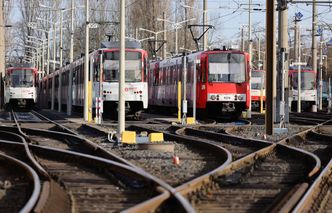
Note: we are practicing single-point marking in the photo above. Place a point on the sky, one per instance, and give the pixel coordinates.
(232, 14)
(228, 16)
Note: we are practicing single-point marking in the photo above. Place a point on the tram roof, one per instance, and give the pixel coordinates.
(22, 65)
(116, 44)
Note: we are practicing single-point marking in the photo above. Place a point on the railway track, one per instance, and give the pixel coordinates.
(316, 140)
(19, 185)
(25, 117)
(309, 118)
(257, 132)
(250, 180)
(271, 179)
(49, 133)
(319, 197)
(167, 190)
(95, 184)
(196, 157)
(238, 147)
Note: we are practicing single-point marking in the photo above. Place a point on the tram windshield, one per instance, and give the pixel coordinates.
(307, 80)
(257, 80)
(133, 66)
(227, 67)
(21, 78)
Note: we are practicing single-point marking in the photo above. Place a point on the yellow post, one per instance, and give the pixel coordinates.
(90, 101)
(179, 101)
(261, 96)
(261, 102)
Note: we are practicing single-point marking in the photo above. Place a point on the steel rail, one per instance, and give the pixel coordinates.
(313, 192)
(40, 169)
(193, 186)
(326, 137)
(293, 196)
(182, 200)
(64, 128)
(293, 200)
(302, 133)
(72, 134)
(114, 166)
(224, 137)
(36, 182)
(201, 178)
(96, 147)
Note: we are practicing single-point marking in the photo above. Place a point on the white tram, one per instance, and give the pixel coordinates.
(20, 86)
(69, 80)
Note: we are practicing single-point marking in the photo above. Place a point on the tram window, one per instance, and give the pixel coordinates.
(179, 72)
(74, 76)
(63, 78)
(155, 76)
(145, 69)
(56, 81)
(111, 75)
(21, 78)
(167, 76)
(82, 73)
(96, 71)
(203, 73)
(133, 70)
(66, 77)
(189, 71)
(161, 75)
(78, 75)
(198, 73)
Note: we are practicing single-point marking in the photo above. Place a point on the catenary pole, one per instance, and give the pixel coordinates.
(164, 36)
(121, 114)
(250, 60)
(71, 59)
(270, 64)
(54, 47)
(283, 65)
(299, 80)
(2, 52)
(60, 67)
(321, 73)
(86, 63)
(48, 52)
(205, 37)
(242, 38)
(61, 32)
(54, 60)
(314, 43)
(296, 39)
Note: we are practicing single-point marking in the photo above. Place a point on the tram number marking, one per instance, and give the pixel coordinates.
(227, 97)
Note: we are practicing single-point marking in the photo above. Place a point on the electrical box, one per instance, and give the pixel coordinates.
(184, 106)
(282, 108)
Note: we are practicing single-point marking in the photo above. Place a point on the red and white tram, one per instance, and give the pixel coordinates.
(257, 88)
(136, 87)
(222, 81)
(20, 85)
(308, 87)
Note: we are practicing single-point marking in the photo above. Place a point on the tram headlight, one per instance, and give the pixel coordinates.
(213, 97)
